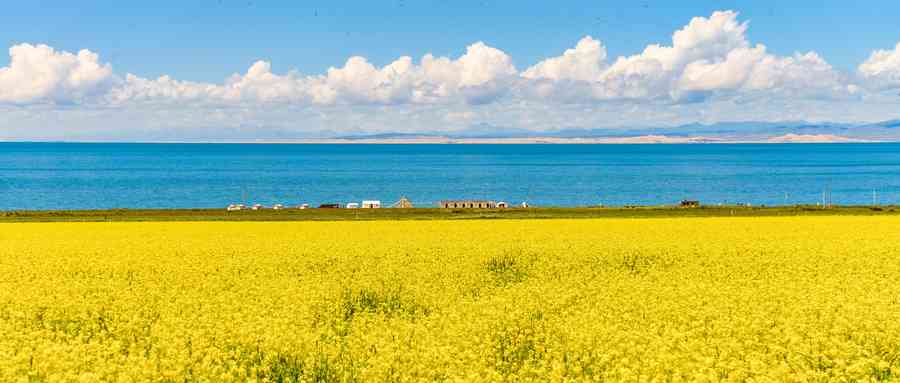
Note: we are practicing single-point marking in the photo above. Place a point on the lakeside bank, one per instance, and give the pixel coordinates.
(116, 215)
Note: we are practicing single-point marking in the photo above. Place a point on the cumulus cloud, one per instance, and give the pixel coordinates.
(654, 72)
(585, 62)
(40, 74)
(480, 75)
(258, 85)
(754, 70)
(882, 69)
(708, 56)
(709, 71)
(164, 88)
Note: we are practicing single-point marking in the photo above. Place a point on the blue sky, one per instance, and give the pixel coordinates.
(208, 40)
(205, 42)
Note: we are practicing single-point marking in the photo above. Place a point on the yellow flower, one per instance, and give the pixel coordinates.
(686, 299)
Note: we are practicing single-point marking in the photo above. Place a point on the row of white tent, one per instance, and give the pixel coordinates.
(240, 206)
(367, 204)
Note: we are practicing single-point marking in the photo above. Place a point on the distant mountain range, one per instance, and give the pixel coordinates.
(725, 131)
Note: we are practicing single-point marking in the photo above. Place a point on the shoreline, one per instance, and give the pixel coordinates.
(625, 140)
(318, 214)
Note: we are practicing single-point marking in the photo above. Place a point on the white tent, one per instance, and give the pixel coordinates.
(371, 204)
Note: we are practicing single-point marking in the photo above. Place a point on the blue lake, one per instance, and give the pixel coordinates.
(91, 176)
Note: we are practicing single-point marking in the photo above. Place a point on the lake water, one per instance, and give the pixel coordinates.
(92, 176)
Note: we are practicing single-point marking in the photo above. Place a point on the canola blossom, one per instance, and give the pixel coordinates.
(678, 299)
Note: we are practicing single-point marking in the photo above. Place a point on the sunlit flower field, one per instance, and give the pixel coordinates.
(681, 299)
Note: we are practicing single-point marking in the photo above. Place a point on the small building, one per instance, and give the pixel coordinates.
(352, 205)
(330, 206)
(403, 203)
(502, 205)
(236, 207)
(277, 206)
(468, 204)
(303, 206)
(257, 207)
(690, 203)
(371, 204)
(524, 205)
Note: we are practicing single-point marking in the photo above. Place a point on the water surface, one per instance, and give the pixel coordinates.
(91, 176)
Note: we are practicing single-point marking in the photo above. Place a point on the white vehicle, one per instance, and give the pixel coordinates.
(257, 207)
(304, 206)
(236, 207)
(277, 206)
(371, 204)
(352, 205)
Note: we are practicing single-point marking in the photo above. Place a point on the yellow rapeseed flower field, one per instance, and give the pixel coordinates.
(682, 299)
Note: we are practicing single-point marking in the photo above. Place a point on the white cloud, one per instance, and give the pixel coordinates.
(654, 72)
(585, 62)
(754, 70)
(882, 69)
(708, 56)
(709, 72)
(482, 73)
(40, 74)
(163, 89)
(482, 64)
(257, 85)
(477, 74)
